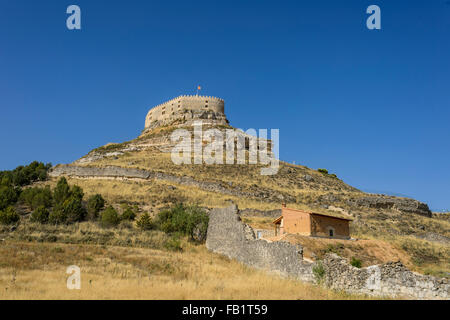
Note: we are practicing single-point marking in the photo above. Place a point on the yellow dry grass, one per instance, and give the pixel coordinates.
(38, 271)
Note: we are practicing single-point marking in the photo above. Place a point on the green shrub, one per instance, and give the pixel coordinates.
(109, 217)
(57, 216)
(145, 222)
(8, 196)
(73, 209)
(61, 192)
(9, 216)
(76, 192)
(173, 244)
(24, 175)
(318, 271)
(188, 220)
(128, 214)
(95, 204)
(325, 172)
(36, 197)
(40, 215)
(356, 262)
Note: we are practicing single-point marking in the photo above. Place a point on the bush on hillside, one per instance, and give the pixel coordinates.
(25, 175)
(76, 192)
(173, 244)
(40, 215)
(74, 210)
(128, 214)
(109, 217)
(58, 215)
(61, 192)
(9, 216)
(188, 220)
(8, 196)
(145, 222)
(36, 197)
(95, 204)
(318, 272)
(356, 262)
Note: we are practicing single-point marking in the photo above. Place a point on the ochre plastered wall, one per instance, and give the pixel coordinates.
(320, 226)
(295, 221)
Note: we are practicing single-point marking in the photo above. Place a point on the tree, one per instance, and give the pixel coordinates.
(128, 214)
(8, 196)
(145, 222)
(189, 220)
(58, 215)
(9, 216)
(35, 197)
(109, 217)
(77, 192)
(73, 209)
(61, 192)
(24, 175)
(40, 215)
(95, 204)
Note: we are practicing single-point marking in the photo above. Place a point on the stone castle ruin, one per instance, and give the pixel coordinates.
(227, 235)
(185, 109)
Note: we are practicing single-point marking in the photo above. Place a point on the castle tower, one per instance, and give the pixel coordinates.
(185, 109)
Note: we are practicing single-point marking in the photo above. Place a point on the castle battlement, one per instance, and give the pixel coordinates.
(186, 107)
(189, 96)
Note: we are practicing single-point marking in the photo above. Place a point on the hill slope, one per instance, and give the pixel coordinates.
(141, 172)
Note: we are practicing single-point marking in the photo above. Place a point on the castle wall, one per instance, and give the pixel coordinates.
(178, 107)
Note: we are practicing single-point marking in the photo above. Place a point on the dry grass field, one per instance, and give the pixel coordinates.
(38, 271)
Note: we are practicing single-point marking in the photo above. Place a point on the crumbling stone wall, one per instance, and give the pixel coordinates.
(390, 279)
(227, 235)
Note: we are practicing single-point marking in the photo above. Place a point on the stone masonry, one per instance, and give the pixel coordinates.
(186, 109)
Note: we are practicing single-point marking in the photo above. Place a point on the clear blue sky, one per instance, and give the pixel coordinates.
(371, 106)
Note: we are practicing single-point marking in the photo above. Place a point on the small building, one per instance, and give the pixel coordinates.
(311, 224)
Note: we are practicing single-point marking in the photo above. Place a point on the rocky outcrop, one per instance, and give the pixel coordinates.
(105, 172)
(404, 205)
(227, 235)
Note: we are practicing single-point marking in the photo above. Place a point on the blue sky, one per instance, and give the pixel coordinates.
(372, 106)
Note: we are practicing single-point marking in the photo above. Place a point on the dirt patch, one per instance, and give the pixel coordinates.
(370, 252)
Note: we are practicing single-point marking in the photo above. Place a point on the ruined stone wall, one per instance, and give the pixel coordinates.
(227, 235)
(389, 279)
(187, 108)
